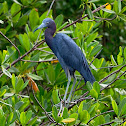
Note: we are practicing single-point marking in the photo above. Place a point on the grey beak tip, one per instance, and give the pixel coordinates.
(35, 30)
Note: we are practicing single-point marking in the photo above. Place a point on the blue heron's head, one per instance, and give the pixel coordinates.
(47, 22)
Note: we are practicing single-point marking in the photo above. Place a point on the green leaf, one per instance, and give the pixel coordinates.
(80, 108)
(26, 42)
(115, 107)
(32, 121)
(65, 113)
(93, 93)
(89, 12)
(123, 111)
(33, 18)
(22, 118)
(59, 20)
(74, 115)
(18, 105)
(51, 73)
(113, 60)
(95, 50)
(125, 53)
(54, 112)
(119, 56)
(107, 118)
(28, 116)
(2, 92)
(119, 5)
(15, 8)
(19, 85)
(6, 72)
(34, 58)
(122, 16)
(10, 117)
(99, 120)
(89, 86)
(91, 37)
(123, 10)
(63, 25)
(96, 86)
(35, 77)
(55, 96)
(55, 115)
(5, 7)
(108, 11)
(84, 116)
(121, 106)
(115, 6)
(22, 21)
(13, 80)
(2, 118)
(25, 84)
(68, 120)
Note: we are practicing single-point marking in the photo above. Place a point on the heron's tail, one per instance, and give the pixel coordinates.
(87, 75)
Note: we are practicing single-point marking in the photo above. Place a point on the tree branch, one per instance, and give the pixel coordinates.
(114, 80)
(50, 7)
(46, 113)
(10, 42)
(99, 115)
(39, 61)
(105, 78)
(106, 123)
(96, 10)
(21, 57)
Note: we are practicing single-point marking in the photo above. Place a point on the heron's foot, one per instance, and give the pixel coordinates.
(62, 105)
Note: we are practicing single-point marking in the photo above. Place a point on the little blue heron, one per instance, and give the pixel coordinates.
(68, 53)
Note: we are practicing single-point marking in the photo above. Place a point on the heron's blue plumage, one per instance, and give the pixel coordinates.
(71, 57)
(68, 53)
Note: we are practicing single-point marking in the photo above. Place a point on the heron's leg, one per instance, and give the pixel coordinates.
(64, 98)
(68, 100)
(68, 83)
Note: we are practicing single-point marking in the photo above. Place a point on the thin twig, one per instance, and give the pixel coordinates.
(123, 122)
(108, 19)
(8, 97)
(109, 67)
(105, 78)
(10, 42)
(95, 56)
(99, 115)
(113, 81)
(39, 61)
(78, 101)
(46, 51)
(106, 123)
(21, 57)
(96, 10)
(46, 113)
(50, 7)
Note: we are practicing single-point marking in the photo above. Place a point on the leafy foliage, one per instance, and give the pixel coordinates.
(31, 62)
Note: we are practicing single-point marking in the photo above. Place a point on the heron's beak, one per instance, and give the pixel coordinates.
(41, 26)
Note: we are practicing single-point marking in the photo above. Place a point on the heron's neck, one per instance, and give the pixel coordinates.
(49, 32)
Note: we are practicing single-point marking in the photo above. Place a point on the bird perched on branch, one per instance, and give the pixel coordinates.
(68, 53)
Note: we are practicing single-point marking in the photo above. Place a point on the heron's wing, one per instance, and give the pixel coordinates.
(70, 55)
(68, 50)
